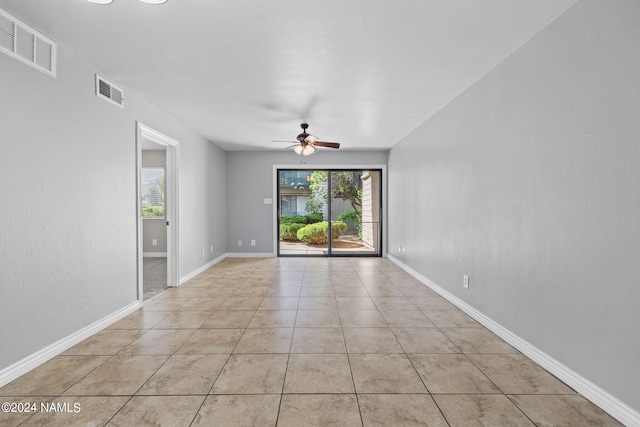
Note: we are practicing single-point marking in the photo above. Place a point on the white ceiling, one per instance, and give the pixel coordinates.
(364, 73)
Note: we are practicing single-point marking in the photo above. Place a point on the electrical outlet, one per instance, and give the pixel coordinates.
(465, 281)
(239, 242)
(211, 248)
(253, 242)
(202, 252)
(154, 242)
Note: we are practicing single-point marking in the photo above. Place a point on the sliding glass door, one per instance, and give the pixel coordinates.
(356, 203)
(348, 199)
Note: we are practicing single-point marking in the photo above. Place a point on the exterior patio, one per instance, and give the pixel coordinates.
(360, 238)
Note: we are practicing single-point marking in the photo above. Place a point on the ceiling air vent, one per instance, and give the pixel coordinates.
(109, 92)
(27, 45)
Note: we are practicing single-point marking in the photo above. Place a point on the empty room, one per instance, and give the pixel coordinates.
(297, 213)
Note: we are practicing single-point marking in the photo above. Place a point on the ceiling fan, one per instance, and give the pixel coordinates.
(307, 143)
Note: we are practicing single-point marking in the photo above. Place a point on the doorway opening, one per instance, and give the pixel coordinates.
(311, 199)
(157, 211)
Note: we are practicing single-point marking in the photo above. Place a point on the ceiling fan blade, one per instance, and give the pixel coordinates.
(326, 144)
(288, 140)
(288, 148)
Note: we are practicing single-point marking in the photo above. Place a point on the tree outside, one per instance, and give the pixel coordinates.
(153, 193)
(345, 185)
(306, 208)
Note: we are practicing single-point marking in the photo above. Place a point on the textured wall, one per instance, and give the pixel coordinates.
(529, 183)
(250, 181)
(68, 217)
(203, 213)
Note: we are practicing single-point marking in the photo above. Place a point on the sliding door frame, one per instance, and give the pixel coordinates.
(331, 168)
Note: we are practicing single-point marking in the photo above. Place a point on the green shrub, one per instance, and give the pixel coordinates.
(353, 221)
(347, 216)
(313, 218)
(318, 232)
(291, 219)
(290, 231)
(153, 211)
(337, 229)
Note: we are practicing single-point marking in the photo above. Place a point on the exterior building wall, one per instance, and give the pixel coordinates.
(370, 207)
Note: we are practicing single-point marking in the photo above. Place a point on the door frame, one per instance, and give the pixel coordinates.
(172, 150)
(383, 209)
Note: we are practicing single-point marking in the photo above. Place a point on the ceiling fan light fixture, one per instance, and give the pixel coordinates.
(100, 1)
(307, 143)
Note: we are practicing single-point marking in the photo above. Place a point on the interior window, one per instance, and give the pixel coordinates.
(153, 193)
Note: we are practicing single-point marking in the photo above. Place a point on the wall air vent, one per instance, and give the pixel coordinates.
(27, 45)
(109, 92)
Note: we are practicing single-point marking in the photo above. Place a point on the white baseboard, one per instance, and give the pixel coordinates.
(36, 359)
(201, 269)
(251, 255)
(154, 254)
(607, 402)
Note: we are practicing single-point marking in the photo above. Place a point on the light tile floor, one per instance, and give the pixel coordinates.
(298, 342)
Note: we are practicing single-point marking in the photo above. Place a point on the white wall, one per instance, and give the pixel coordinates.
(529, 183)
(203, 214)
(68, 217)
(250, 181)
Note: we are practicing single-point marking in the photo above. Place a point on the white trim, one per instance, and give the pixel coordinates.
(251, 254)
(607, 402)
(201, 269)
(172, 148)
(36, 359)
(173, 203)
(154, 255)
(383, 181)
(155, 136)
